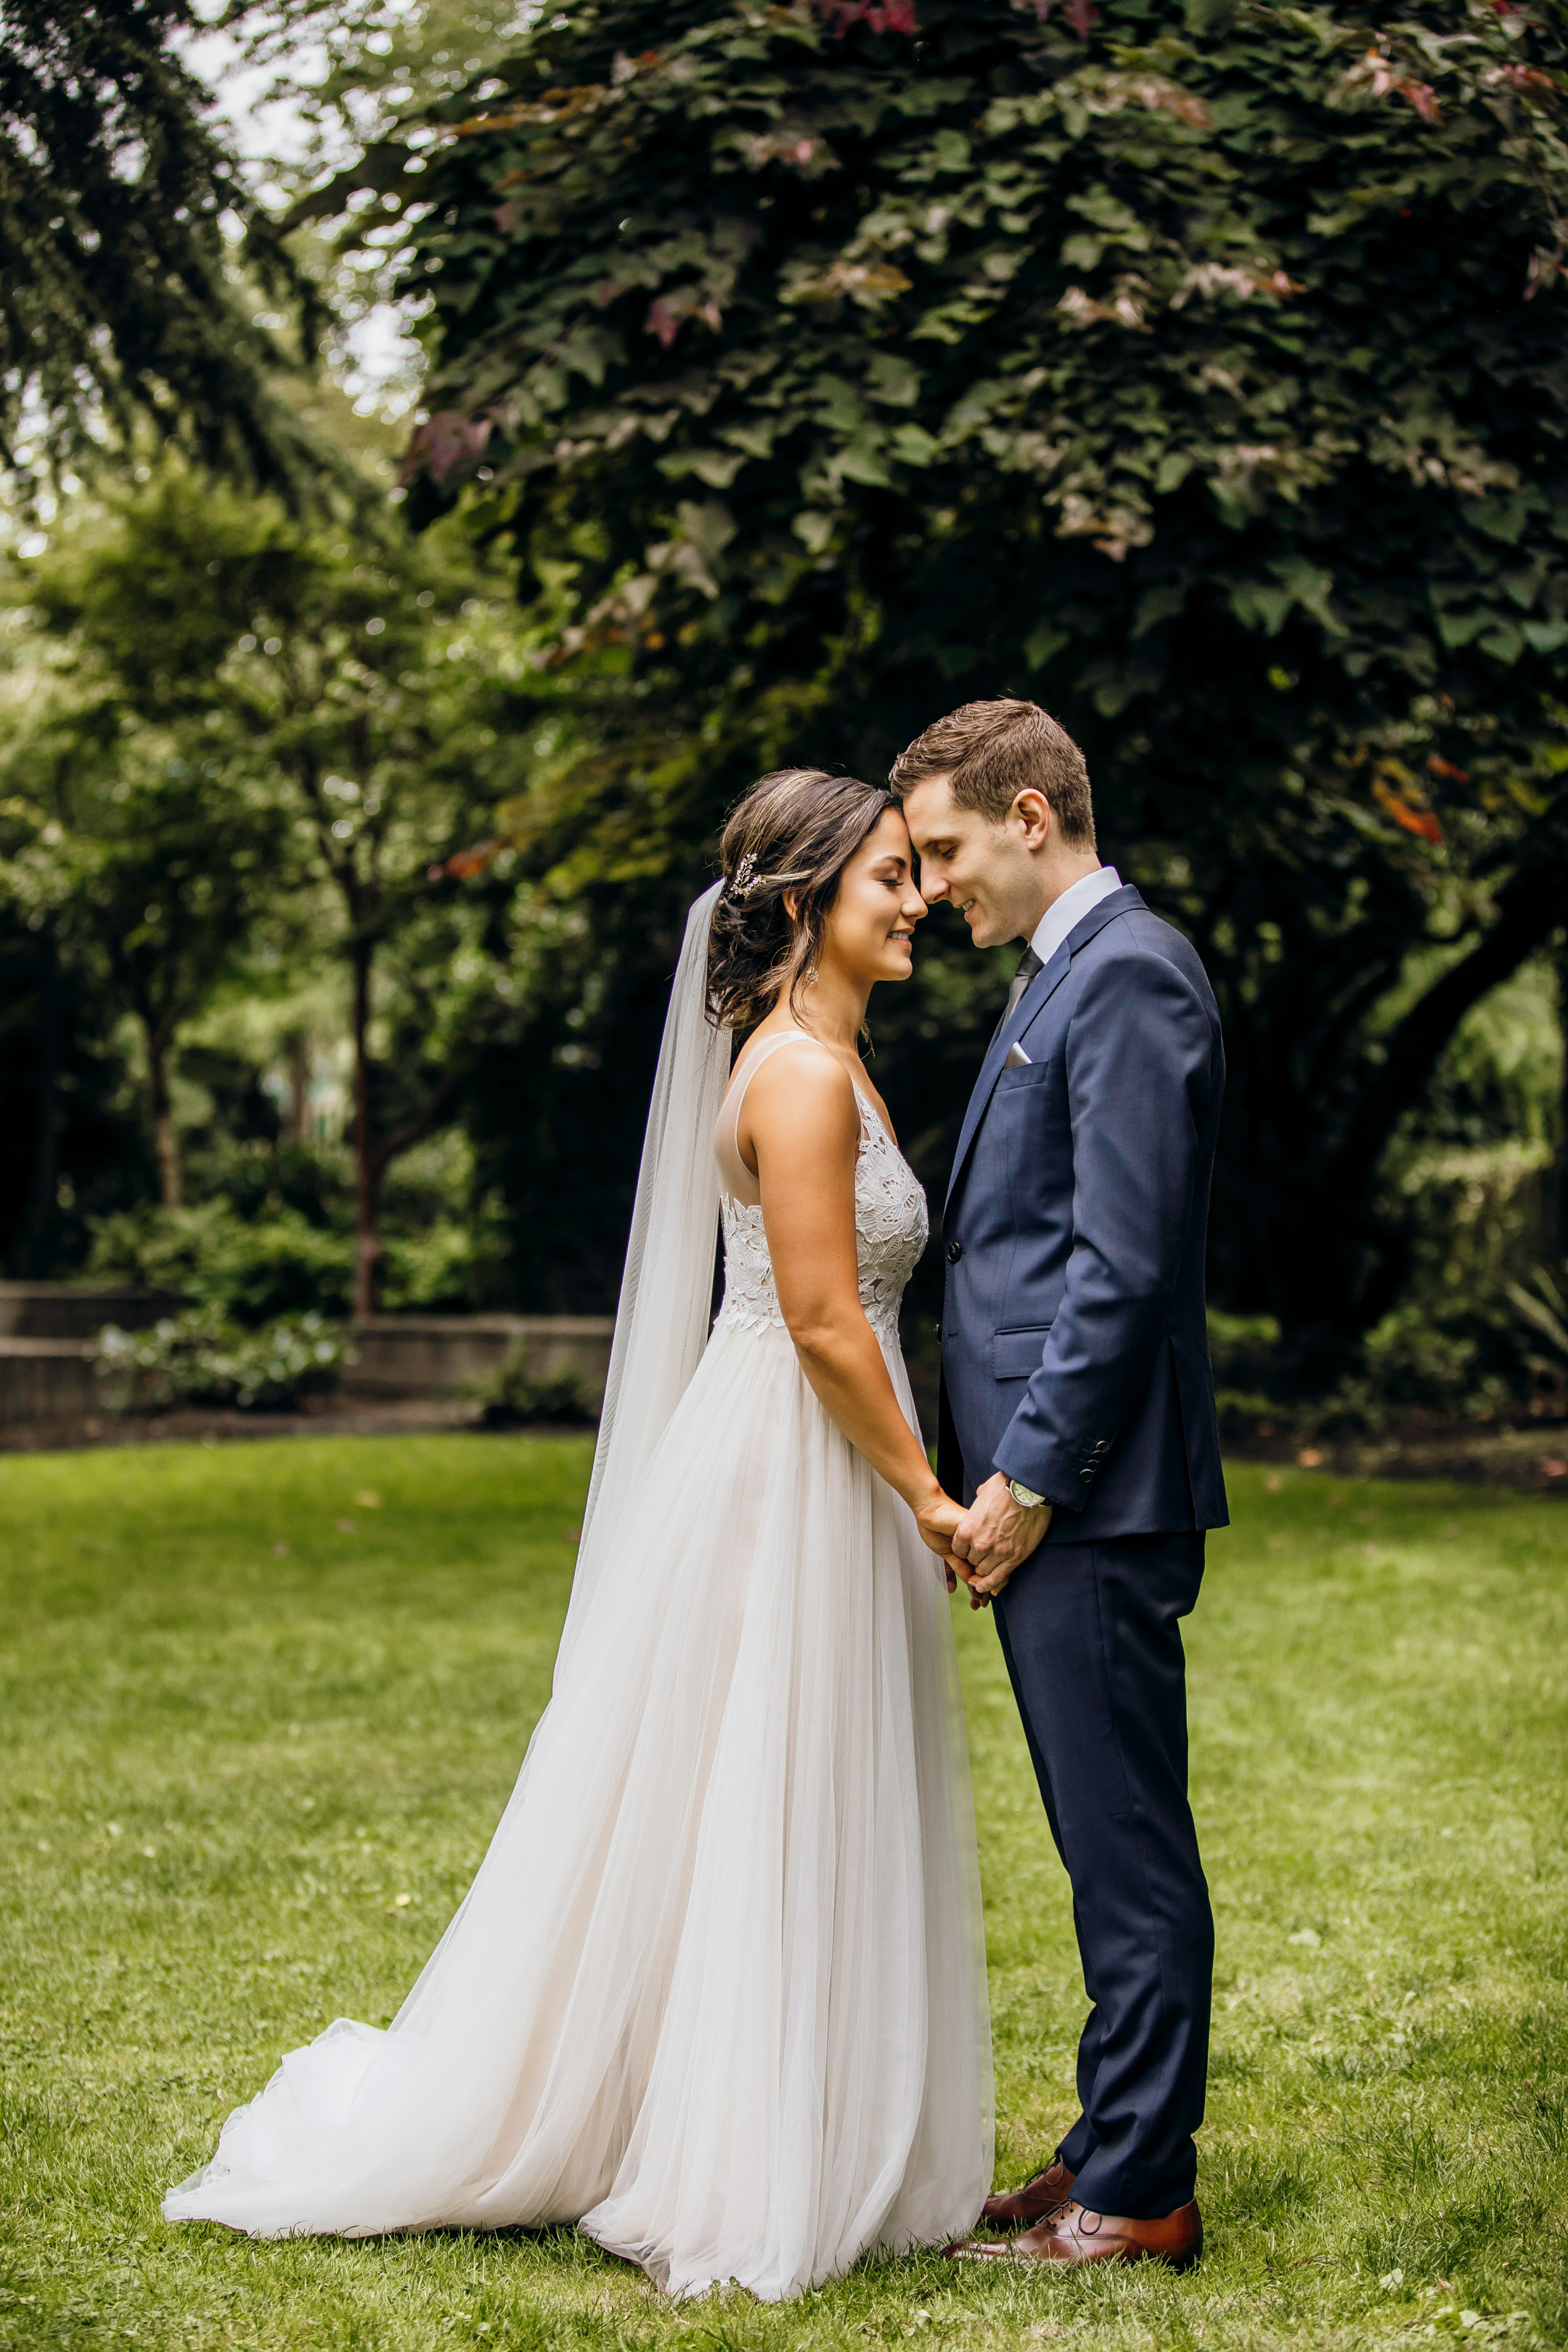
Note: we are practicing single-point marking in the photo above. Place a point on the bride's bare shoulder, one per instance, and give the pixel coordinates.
(808, 1084)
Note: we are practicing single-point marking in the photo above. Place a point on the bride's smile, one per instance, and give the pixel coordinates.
(860, 940)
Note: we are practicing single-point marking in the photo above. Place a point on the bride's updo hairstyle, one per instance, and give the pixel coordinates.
(796, 831)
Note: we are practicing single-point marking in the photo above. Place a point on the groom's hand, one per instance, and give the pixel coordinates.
(995, 1536)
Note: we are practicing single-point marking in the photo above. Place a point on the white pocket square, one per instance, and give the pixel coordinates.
(1015, 1059)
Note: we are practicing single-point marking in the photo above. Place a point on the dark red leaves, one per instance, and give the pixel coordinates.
(1422, 821)
(876, 15)
(783, 147)
(667, 313)
(1082, 14)
(1384, 80)
(446, 439)
(465, 864)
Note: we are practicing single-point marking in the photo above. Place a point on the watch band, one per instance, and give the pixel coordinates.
(1024, 1496)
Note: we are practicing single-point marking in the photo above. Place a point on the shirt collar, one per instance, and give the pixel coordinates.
(1064, 913)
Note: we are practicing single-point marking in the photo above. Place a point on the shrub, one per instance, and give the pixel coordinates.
(250, 1273)
(258, 1178)
(198, 1358)
(1243, 1347)
(1543, 1307)
(161, 1248)
(1411, 1360)
(514, 1394)
(431, 1272)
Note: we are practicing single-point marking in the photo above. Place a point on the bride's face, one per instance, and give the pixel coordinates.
(870, 934)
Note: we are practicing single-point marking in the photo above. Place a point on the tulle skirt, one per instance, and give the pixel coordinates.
(717, 1993)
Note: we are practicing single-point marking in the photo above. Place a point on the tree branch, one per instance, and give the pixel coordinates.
(1529, 909)
(419, 1124)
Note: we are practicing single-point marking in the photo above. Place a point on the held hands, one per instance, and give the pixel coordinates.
(992, 1538)
(938, 1519)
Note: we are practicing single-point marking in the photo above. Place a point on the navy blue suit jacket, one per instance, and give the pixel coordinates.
(1074, 1344)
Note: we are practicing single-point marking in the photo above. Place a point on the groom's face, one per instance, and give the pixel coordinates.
(982, 869)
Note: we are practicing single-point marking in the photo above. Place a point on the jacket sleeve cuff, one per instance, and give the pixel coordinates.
(1051, 1481)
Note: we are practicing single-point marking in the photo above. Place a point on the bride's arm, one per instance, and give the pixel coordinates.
(804, 1126)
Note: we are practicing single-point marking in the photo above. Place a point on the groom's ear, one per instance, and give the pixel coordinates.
(1035, 816)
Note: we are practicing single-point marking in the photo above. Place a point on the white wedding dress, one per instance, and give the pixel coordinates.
(717, 1993)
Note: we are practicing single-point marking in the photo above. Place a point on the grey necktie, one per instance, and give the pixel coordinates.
(1029, 963)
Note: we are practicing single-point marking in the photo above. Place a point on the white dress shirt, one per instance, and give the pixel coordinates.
(1071, 907)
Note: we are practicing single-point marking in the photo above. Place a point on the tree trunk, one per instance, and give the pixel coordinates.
(1332, 1270)
(165, 1142)
(1562, 1099)
(43, 1191)
(367, 1170)
(298, 1119)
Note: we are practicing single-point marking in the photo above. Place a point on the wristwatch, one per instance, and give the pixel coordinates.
(1023, 1496)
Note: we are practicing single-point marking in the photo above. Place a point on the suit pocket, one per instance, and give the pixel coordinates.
(1016, 1355)
(1033, 1074)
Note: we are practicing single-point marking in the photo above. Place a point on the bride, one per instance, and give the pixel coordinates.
(717, 1994)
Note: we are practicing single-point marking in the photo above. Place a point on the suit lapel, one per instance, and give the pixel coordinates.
(1046, 981)
(1048, 978)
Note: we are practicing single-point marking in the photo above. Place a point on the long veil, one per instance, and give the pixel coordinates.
(716, 1991)
(661, 1320)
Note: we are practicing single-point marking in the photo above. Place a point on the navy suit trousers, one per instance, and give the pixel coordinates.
(1091, 1635)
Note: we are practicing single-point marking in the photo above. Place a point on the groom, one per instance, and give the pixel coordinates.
(1077, 1422)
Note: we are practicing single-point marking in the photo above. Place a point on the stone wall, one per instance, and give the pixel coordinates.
(439, 1355)
(46, 1373)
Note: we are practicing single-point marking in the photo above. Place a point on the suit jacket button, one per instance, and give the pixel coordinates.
(955, 1252)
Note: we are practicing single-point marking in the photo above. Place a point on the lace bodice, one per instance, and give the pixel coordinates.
(890, 1230)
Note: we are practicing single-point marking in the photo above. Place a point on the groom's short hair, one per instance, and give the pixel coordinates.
(991, 752)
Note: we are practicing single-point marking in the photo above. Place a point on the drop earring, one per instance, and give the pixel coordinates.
(811, 975)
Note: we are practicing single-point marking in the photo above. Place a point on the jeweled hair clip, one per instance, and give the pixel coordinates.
(745, 878)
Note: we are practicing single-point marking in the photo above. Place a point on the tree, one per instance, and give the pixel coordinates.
(131, 236)
(151, 867)
(1200, 370)
(357, 689)
(68, 1150)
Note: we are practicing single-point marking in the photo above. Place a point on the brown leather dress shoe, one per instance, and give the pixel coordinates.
(1043, 2195)
(1075, 2236)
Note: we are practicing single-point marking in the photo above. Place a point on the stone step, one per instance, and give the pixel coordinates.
(76, 1310)
(46, 1380)
(438, 1355)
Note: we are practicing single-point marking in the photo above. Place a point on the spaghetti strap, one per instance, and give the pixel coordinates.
(739, 1181)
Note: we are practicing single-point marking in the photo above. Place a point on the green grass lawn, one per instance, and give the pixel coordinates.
(261, 1706)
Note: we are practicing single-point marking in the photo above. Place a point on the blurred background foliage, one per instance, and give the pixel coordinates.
(791, 374)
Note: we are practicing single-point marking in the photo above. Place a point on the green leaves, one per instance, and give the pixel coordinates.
(781, 233)
(1203, 368)
(121, 304)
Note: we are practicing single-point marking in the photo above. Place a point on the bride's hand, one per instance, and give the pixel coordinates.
(937, 1519)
